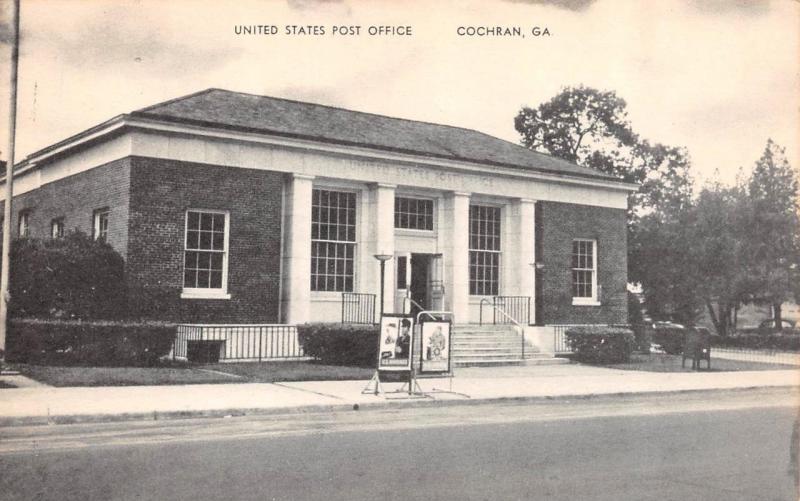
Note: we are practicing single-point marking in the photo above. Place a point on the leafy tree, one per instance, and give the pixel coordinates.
(576, 123)
(716, 237)
(591, 128)
(70, 277)
(665, 265)
(773, 229)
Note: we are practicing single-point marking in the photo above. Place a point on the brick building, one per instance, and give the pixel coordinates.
(237, 208)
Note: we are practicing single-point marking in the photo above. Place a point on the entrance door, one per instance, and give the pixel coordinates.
(402, 270)
(419, 288)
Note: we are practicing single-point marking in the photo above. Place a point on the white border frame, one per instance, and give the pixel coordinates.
(198, 293)
(587, 301)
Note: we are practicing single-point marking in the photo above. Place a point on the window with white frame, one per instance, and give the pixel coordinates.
(333, 240)
(413, 213)
(57, 228)
(205, 268)
(23, 226)
(484, 250)
(584, 270)
(100, 224)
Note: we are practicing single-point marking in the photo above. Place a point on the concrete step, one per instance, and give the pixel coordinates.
(488, 327)
(486, 342)
(485, 345)
(486, 362)
(485, 355)
(545, 360)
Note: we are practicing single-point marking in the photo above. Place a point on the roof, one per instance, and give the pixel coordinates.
(220, 108)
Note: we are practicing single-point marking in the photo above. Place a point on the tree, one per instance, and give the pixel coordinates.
(716, 238)
(575, 124)
(773, 237)
(591, 128)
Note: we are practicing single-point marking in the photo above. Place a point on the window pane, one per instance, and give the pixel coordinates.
(484, 243)
(205, 250)
(193, 222)
(216, 279)
(333, 231)
(219, 222)
(189, 278)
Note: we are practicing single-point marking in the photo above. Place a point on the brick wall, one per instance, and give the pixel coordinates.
(560, 224)
(75, 198)
(161, 192)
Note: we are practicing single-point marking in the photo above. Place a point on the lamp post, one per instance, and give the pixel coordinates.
(382, 258)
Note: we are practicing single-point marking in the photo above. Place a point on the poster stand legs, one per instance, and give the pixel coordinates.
(377, 389)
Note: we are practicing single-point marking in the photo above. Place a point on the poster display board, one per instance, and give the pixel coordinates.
(396, 342)
(435, 355)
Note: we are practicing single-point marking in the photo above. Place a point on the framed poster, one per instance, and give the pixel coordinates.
(396, 341)
(435, 353)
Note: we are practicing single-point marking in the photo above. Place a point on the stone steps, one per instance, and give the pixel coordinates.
(485, 345)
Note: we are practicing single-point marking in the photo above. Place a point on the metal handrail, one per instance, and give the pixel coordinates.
(438, 312)
(418, 306)
(521, 328)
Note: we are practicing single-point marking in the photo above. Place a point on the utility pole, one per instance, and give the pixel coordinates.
(5, 268)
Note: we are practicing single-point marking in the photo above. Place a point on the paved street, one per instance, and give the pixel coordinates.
(635, 447)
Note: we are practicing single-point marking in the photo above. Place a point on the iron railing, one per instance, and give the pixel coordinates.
(510, 320)
(240, 342)
(516, 307)
(358, 308)
(755, 355)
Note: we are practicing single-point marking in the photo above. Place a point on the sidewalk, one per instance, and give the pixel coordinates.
(43, 405)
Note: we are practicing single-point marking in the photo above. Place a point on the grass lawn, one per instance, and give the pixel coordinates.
(292, 371)
(253, 372)
(119, 376)
(658, 362)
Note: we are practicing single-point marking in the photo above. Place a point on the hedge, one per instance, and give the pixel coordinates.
(59, 342)
(340, 344)
(670, 339)
(601, 345)
(74, 277)
(778, 342)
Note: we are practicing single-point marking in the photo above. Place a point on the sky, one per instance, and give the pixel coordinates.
(718, 77)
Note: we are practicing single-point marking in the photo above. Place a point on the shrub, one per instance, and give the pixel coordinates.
(71, 277)
(601, 345)
(340, 344)
(669, 338)
(779, 342)
(58, 342)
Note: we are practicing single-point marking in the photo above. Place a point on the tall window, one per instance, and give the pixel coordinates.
(484, 250)
(57, 228)
(100, 224)
(333, 240)
(206, 253)
(23, 226)
(584, 270)
(413, 213)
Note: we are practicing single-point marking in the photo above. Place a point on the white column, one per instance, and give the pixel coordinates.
(526, 254)
(382, 242)
(296, 294)
(456, 255)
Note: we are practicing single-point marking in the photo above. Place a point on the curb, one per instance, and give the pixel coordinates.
(348, 407)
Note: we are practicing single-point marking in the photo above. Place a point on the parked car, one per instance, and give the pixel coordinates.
(769, 325)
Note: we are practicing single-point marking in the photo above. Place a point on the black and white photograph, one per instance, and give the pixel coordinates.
(350, 249)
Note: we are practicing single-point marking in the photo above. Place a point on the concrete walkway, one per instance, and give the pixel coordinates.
(41, 405)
